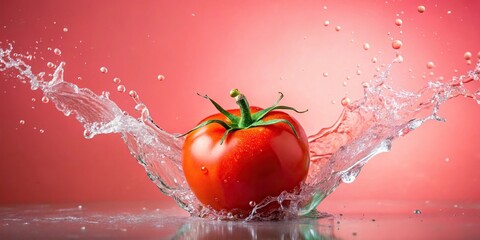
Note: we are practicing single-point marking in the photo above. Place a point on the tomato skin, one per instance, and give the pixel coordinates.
(249, 165)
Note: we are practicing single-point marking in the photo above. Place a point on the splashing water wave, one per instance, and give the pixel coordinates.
(366, 128)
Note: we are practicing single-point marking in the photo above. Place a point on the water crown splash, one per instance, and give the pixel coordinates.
(365, 128)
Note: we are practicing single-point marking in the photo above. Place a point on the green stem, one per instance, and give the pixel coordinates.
(245, 115)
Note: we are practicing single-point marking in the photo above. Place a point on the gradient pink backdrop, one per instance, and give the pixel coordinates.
(260, 47)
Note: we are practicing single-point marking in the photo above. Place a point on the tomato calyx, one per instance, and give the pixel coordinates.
(246, 119)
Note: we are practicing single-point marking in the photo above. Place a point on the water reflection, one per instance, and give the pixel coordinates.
(305, 228)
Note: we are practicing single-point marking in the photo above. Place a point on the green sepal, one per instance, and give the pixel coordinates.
(274, 121)
(226, 134)
(247, 119)
(205, 123)
(260, 114)
(233, 119)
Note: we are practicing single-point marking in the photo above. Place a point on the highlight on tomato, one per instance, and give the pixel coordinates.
(236, 158)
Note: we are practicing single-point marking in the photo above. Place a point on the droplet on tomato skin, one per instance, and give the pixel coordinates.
(421, 9)
(417, 211)
(22, 122)
(204, 170)
(117, 80)
(326, 23)
(338, 28)
(252, 203)
(397, 44)
(160, 77)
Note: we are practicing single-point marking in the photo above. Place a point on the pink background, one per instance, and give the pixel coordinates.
(210, 47)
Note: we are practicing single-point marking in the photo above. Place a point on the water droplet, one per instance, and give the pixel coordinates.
(252, 203)
(430, 65)
(50, 65)
(34, 100)
(469, 62)
(117, 80)
(79, 206)
(338, 28)
(467, 55)
(344, 83)
(398, 22)
(399, 59)
(42, 131)
(447, 159)
(79, 78)
(65, 29)
(193, 15)
(45, 99)
(366, 46)
(333, 102)
(88, 134)
(140, 106)
(57, 51)
(103, 70)
(417, 211)
(160, 77)
(345, 101)
(204, 170)
(83, 228)
(121, 88)
(397, 44)
(348, 178)
(421, 9)
(374, 60)
(359, 72)
(449, 12)
(326, 23)
(22, 122)
(133, 94)
(325, 74)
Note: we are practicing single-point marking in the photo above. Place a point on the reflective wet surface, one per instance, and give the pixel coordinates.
(147, 220)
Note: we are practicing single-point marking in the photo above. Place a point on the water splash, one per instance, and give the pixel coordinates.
(366, 128)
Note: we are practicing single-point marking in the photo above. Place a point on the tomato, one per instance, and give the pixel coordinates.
(229, 166)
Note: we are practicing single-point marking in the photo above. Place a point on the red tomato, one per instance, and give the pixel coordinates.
(249, 165)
